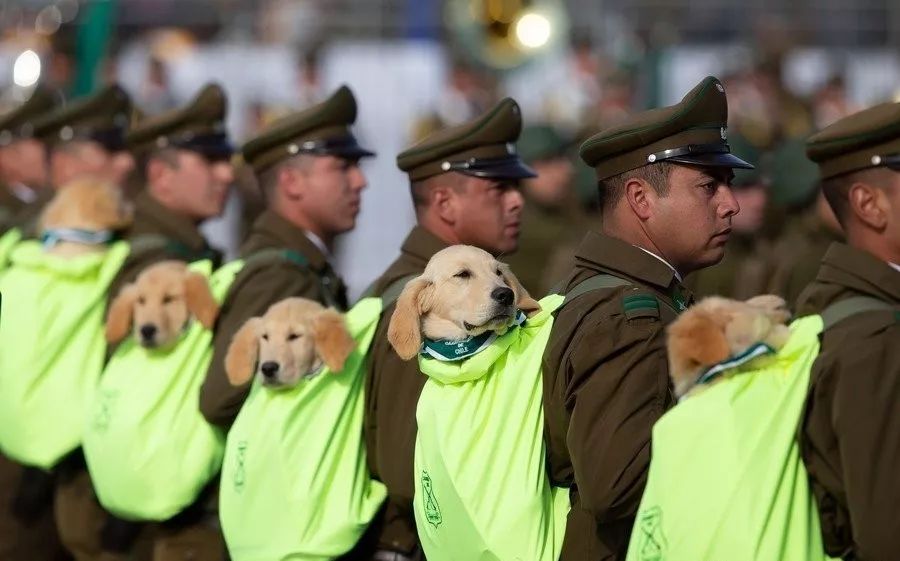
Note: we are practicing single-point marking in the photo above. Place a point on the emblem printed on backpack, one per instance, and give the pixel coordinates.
(652, 542)
(103, 413)
(432, 509)
(240, 476)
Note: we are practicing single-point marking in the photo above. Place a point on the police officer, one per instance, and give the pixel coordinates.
(186, 163)
(187, 170)
(666, 208)
(23, 169)
(850, 433)
(84, 139)
(308, 168)
(464, 183)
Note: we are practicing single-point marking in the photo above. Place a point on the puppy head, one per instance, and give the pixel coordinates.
(464, 291)
(87, 204)
(156, 307)
(696, 341)
(719, 328)
(290, 342)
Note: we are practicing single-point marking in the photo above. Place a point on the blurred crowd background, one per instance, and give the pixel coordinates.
(575, 66)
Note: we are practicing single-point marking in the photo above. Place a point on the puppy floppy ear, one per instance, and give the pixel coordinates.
(524, 301)
(243, 352)
(199, 300)
(405, 331)
(333, 341)
(120, 314)
(694, 342)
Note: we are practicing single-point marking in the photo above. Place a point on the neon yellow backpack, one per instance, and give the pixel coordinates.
(295, 484)
(51, 331)
(726, 480)
(489, 406)
(149, 450)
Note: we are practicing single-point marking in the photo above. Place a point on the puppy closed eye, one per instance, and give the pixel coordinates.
(293, 336)
(141, 301)
(464, 274)
(265, 336)
(167, 299)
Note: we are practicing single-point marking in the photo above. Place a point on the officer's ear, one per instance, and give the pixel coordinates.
(121, 314)
(199, 300)
(332, 340)
(405, 331)
(243, 352)
(524, 301)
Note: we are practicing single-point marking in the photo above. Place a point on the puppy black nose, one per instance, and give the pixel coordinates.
(503, 295)
(269, 369)
(148, 330)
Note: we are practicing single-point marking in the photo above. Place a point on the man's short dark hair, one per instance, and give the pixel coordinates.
(612, 189)
(837, 190)
(419, 190)
(268, 179)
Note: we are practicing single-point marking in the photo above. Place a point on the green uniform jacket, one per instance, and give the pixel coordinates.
(850, 434)
(606, 382)
(393, 387)
(251, 294)
(183, 240)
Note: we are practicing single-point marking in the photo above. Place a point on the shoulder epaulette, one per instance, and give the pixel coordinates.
(640, 304)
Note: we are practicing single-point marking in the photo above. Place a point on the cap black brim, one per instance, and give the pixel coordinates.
(892, 162)
(505, 168)
(712, 159)
(349, 152)
(222, 152)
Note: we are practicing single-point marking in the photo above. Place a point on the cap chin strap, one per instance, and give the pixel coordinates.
(892, 161)
(713, 148)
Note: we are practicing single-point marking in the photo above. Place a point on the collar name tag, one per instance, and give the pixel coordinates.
(452, 351)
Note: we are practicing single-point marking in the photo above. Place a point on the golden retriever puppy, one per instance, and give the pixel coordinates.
(157, 306)
(717, 329)
(289, 343)
(83, 216)
(463, 292)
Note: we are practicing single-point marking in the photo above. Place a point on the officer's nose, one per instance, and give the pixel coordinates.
(502, 295)
(269, 369)
(148, 331)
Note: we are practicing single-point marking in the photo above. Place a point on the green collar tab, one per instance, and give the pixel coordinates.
(452, 351)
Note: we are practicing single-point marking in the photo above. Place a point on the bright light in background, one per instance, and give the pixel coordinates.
(533, 30)
(27, 69)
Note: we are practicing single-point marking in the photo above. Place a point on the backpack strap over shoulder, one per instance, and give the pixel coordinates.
(598, 282)
(271, 256)
(642, 304)
(839, 311)
(146, 244)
